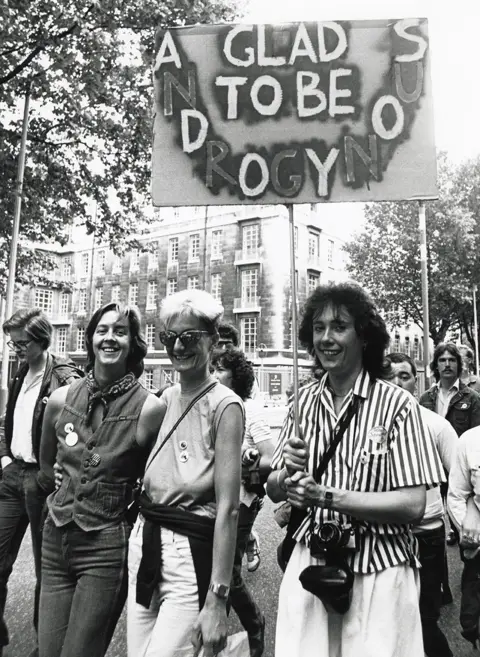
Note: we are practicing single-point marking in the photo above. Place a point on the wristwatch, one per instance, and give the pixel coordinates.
(221, 590)
(328, 499)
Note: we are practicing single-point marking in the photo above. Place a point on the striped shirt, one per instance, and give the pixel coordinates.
(384, 447)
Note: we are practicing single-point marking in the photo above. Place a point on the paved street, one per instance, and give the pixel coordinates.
(265, 583)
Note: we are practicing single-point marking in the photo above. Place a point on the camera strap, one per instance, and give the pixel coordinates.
(327, 457)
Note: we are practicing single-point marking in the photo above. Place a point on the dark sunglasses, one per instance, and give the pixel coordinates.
(188, 338)
(21, 344)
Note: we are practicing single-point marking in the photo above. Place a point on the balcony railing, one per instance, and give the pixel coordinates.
(249, 304)
(249, 256)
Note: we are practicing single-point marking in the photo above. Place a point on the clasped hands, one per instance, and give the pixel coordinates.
(301, 488)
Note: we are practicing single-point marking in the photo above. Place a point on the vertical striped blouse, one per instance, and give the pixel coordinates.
(385, 447)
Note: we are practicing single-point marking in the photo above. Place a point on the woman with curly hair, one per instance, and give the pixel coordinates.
(99, 430)
(234, 370)
(356, 477)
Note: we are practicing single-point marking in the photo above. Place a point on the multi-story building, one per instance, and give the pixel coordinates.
(240, 255)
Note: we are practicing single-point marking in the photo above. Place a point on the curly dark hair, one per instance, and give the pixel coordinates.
(138, 346)
(234, 360)
(369, 325)
(440, 349)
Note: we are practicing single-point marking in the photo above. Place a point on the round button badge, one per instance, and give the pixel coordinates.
(184, 457)
(68, 427)
(71, 439)
(183, 444)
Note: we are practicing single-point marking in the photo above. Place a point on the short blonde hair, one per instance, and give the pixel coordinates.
(198, 303)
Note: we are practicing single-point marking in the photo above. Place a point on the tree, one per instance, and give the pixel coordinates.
(90, 127)
(385, 256)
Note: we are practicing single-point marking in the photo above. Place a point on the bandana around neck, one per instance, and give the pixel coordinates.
(105, 395)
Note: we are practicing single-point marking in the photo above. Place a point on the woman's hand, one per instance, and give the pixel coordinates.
(58, 475)
(210, 629)
(296, 455)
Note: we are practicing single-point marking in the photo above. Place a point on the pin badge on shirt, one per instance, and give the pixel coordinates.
(183, 444)
(378, 435)
(184, 457)
(95, 459)
(71, 439)
(463, 406)
(69, 427)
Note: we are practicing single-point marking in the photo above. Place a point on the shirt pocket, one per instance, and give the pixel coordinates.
(372, 471)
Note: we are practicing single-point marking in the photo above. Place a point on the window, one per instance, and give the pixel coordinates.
(172, 285)
(133, 294)
(248, 327)
(64, 304)
(44, 300)
(193, 283)
(313, 281)
(249, 284)
(134, 259)
(313, 246)
(396, 342)
(194, 247)
(85, 269)
(101, 262)
(80, 339)
(115, 293)
(407, 345)
(331, 246)
(151, 295)
(82, 301)
(61, 340)
(416, 348)
(153, 257)
(67, 267)
(98, 297)
(117, 265)
(217, 244)
(250, 239)
(173, 249)
(148, 379)
(216, 287)
(150, 335)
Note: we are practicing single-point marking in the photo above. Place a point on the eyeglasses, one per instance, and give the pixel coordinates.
(20, 344)
(188, 338)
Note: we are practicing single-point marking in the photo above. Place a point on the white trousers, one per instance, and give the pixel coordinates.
(165, 629)
(384, 617)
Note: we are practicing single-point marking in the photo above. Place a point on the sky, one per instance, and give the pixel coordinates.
(454, 45)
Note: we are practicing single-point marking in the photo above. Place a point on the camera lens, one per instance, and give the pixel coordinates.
(329, 533)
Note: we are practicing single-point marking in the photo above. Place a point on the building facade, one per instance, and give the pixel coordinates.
(240, 254)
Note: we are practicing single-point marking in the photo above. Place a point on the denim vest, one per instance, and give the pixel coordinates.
(101, 468)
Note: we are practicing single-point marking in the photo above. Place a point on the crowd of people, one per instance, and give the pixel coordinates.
(149, 500)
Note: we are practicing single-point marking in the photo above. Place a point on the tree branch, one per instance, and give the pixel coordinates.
(38, 49)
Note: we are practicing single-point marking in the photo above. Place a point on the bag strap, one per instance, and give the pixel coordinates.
(338, 435)
(187, 410)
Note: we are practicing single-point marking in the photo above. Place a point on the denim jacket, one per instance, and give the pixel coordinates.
(463, 410)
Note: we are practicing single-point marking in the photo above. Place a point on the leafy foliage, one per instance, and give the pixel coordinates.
(88, 64)
(385, 256)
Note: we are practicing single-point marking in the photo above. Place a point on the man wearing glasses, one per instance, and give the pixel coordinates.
(21, 498)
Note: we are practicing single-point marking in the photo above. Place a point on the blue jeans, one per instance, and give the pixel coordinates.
(84, 587)
(21, 504)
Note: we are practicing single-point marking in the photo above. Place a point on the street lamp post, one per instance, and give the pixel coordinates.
(262, 352)
(475, 326)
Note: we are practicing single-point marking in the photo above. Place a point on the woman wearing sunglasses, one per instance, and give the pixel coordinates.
(183, 543)
(99, 430)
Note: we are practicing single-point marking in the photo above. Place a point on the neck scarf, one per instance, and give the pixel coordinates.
(105, 395)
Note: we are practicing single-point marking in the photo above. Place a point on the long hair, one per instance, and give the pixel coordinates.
(440, 349)
(138, 346)
(369, 325)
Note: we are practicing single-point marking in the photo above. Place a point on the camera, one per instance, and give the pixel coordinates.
(331, 536)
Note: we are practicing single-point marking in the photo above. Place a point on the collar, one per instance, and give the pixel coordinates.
(360, 387)
(455, 386)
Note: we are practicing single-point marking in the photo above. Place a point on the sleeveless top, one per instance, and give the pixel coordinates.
(182, 475)
(101, 468)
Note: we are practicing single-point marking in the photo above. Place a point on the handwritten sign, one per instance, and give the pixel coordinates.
(294, 113)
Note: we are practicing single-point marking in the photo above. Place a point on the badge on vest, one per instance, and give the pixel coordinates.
(184, 456)
(71, 439)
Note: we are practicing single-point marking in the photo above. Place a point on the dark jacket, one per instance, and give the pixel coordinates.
(58, 372)
(463, 410)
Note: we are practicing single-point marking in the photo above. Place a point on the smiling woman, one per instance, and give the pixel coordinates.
(182, 546)
(100, 431)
